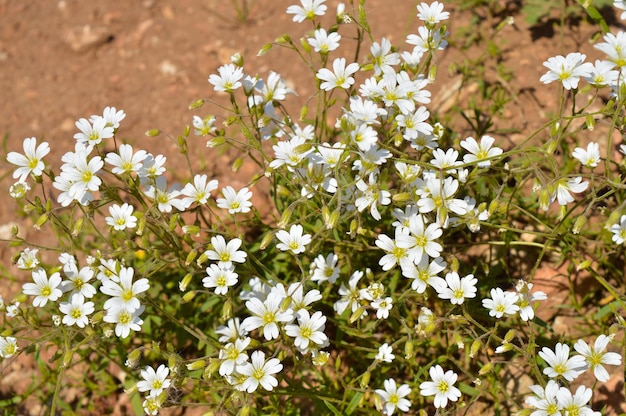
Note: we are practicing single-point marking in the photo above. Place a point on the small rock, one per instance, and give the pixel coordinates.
(83, 38)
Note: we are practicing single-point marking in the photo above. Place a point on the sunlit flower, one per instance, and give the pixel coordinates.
(393, 397)
(124, 293)
(125, 160)
(590, 157)
(324, 42)
(431, 14)
(235, 202)
(479, 152)
(266, 315)
(154, 381)
(385, 353)
(93, 133)
(309, 332)
(233, 355)
(307, 9)
(28, 259)
(458, 289)
(121, 217)
(44, 289)
(76, 311)
(441, 386)
(566, 69)
(220, 278)
(325, 269)
(339, 77)
(30, 161)
(8, 347)
(560, 364)
(226, 253)
(501, 303)
(229, 78)
(258, 371)
(619, 231)
(596, 356)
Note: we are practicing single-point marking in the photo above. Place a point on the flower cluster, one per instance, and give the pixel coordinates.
(368, 248)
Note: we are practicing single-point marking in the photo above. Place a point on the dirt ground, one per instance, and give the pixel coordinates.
(61, 60)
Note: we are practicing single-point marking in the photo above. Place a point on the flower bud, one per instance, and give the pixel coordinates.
(182, 285)
(153, 132)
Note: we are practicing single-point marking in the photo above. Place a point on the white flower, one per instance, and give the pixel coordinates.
(266, 315)
(294, 240)
(125, 161)
(350, 296)
(564, 187)
(226, 253)
(590, 157)
(325, 269)
(259, 371)
(28, 259)
(394, 255)
(393, 397)
(233, 355)
(18, 190)
(501, 303)
(603, 74)
(382, 307)
(164, 198)
(575, 404)
(560, 364)
(431, 14)
(619, 231)
(76, 310)
(309, 330)
(235, 202)
(111, 116)
(421, 241)
(231, 331)
(44, 289)
(152, 167)
(385, 353)
(425, 273)
(596, 357)
(324, 42)
(154, 381)
(152, 404)
(614, 47)
(457, 288)
(92, 134)
(567, 69)
(307, 10)
(339, 77)
(414, 124)
(78, 280)
(480, 152)
(121, 217)
(125, 319)
(8, 347)
(220, 278)
(383, 57)
(441, 386)
(30, 161)
(229, 78)
(124, 293)
(525, 299)
(199, 191)
(370, 196)
(544, 400)
(203, 126)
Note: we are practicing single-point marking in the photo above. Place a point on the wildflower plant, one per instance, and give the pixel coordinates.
(381, 278)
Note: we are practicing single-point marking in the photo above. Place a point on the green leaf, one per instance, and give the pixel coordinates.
(354, 403)
(332, 408)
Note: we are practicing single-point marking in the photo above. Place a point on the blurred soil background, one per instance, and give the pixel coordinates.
(61, 60)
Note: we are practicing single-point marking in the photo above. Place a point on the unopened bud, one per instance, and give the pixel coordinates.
(182, 285)
(153, 132)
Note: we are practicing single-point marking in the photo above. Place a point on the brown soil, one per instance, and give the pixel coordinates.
(67, 59)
